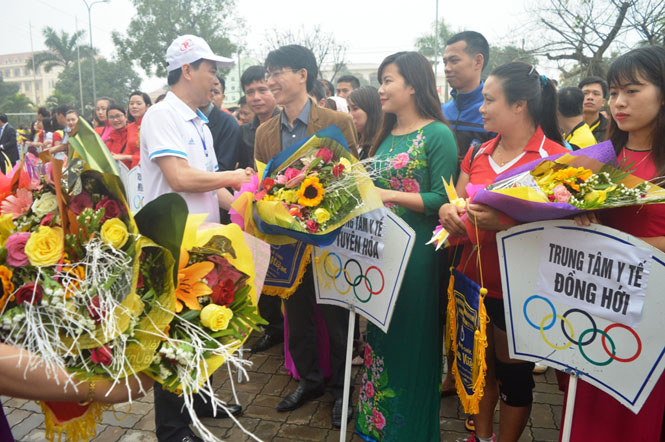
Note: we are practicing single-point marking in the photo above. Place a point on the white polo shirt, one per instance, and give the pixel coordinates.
(171, 128)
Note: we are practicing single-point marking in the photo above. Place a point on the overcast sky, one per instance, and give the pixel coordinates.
(371, 29)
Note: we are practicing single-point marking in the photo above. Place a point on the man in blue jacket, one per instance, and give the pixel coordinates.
(465, 56)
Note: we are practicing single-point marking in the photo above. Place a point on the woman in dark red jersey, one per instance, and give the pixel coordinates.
(520, 106)
(637, 131)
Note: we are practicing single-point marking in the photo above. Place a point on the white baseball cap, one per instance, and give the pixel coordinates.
(189, 48)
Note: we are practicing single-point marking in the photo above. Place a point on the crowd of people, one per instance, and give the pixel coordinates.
(495, 121)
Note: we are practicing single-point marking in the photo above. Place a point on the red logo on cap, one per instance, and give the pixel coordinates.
(185, 45)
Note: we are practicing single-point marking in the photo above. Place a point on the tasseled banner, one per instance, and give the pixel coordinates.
(78, 422)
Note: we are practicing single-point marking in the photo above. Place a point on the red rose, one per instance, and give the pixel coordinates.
(338, 170)
(94, 310)
(111, 208)
(46, 221)
(81, 201)
(325, 154)
(102, 355)
(295, 211)
(30, 293)
(312, 226)
(268, 184)
(223, 293)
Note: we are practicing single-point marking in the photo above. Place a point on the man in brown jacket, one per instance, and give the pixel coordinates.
(291, 73)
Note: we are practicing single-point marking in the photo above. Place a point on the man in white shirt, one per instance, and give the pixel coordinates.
(177, 155)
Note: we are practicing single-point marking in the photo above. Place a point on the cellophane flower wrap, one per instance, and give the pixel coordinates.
(308, 191)
(564, 185)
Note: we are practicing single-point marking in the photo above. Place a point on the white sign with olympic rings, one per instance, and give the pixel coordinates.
(368, 275)
(613, 355)
(133, 183)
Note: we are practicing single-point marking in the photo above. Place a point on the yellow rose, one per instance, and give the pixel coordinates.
(6, 226)
(114, 233)
(594, 195)
(322, 215)
(46, 204)
(216, 317)
(345, 162)
(45, 246)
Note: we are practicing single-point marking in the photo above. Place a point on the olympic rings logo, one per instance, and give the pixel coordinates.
(336, 270)
(581, 342)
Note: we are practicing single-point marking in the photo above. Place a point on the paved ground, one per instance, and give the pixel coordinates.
(269, 382)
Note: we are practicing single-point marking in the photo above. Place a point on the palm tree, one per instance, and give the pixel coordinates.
(16, 103)
(61, 50)
(57, 98)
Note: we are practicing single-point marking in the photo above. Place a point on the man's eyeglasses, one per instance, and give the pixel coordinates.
(276, 73)
(116, 117)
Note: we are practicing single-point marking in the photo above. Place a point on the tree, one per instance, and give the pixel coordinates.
(158, 22)
(581, 35)
(57, 98)
(7, 89)
(647, 18)
(505, 54)
(324, 46)
(428, 45)
(115, 79)
(499, 55)
(16, 103)
(62, 50)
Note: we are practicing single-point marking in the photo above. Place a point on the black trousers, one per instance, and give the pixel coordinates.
(302, 337)
(270, 308)
(171, 423)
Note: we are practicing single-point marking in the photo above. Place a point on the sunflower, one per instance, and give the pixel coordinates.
(311, 192)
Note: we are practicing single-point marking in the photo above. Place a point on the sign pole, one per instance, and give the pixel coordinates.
(570, 408)
(347, 373)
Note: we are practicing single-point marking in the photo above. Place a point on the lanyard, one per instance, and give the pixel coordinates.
(205, 148)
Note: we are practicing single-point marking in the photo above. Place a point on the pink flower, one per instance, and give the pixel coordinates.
(81, 201)
(395, 183)
(368, 356)
(561, 194)
(378, 420)
(312, 226)
(15, 246)
(472, 189)
(325, 154)
(30, 293)
(48, 173)
(291, 172)
(369, 390)
(103, 356)
(17, 205)
(401, 160)
(411, 185)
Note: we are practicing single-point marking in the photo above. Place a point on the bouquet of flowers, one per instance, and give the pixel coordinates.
(568, 184)
(309, 190)
(70, 269)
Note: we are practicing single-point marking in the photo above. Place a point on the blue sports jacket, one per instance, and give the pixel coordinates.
(462, 114)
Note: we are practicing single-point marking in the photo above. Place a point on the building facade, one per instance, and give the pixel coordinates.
(38, 85)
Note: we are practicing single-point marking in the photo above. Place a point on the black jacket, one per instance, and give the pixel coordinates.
(246, 140)
(225, 133)
(8, 144)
